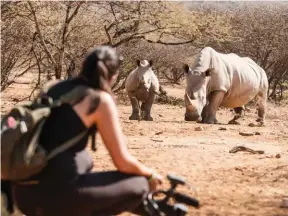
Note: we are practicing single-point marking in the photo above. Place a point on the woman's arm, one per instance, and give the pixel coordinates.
(107, 120)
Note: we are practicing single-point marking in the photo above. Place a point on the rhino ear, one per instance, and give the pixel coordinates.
(186, 68)
(138, 62)
(151, 63)
(209, 72)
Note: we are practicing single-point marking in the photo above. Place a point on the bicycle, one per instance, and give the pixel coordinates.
(161, 207)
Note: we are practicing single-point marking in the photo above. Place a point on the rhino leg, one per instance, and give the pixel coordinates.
(135, 107)
(209, 111)
(262, 100)
(239, 114)
(146, 107)
(207, 117)
(203, 114)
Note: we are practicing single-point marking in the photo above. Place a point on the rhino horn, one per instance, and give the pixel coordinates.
(190, 104)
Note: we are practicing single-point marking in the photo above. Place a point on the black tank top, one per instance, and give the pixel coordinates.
(62, 125)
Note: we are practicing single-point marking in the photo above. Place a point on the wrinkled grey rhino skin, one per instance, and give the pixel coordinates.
(216, 79)
(142, 86)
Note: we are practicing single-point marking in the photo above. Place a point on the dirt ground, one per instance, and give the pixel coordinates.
(226, 184)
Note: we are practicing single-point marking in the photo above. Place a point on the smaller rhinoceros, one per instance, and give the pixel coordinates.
(142, 85)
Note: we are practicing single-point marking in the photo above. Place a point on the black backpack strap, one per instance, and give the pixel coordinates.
(71, 97)
(6, 192)
(92, 132)
(66, 145)
(46, 87)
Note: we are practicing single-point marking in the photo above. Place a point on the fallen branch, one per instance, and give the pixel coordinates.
(155, 140)
(243, 148)
(246, 133)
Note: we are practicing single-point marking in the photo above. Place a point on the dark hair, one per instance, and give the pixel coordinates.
(99, 66)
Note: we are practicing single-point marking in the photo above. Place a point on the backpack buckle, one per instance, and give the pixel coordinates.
(45, 100)
(23, 127)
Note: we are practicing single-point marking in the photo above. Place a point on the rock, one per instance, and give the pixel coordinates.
(141, 133)
(246, 133)
(257, 133)
(160, 115)
(128, 122)
(278, 156)
(238, 168)
(155, 140)
(284, 202)
(158, 133)
(199, 129)
(259, 124)
(222, 128)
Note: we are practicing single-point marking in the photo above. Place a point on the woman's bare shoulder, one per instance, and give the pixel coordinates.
(103, 96)
(100, 100)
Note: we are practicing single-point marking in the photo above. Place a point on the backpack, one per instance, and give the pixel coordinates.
(21, 154)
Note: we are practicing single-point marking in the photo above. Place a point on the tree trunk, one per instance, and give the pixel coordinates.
(58, 71)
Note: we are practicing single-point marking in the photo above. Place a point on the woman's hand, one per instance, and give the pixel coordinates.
(155, 180)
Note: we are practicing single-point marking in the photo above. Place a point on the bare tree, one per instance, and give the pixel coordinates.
(60, 33)
(16, 57)
(261, 32)
(71, 10)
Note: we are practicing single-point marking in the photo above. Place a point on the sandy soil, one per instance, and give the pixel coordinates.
(227, 184)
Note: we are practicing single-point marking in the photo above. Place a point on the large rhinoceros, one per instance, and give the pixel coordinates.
(216, 79)
(142, 86)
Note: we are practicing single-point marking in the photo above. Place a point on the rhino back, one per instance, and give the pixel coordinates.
(241, 79)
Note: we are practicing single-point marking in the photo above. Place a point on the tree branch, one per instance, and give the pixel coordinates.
(170, 43)
(75, 12)
(40, 34)
(108, 35)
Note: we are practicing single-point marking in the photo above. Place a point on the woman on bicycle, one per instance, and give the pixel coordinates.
(67, 186)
